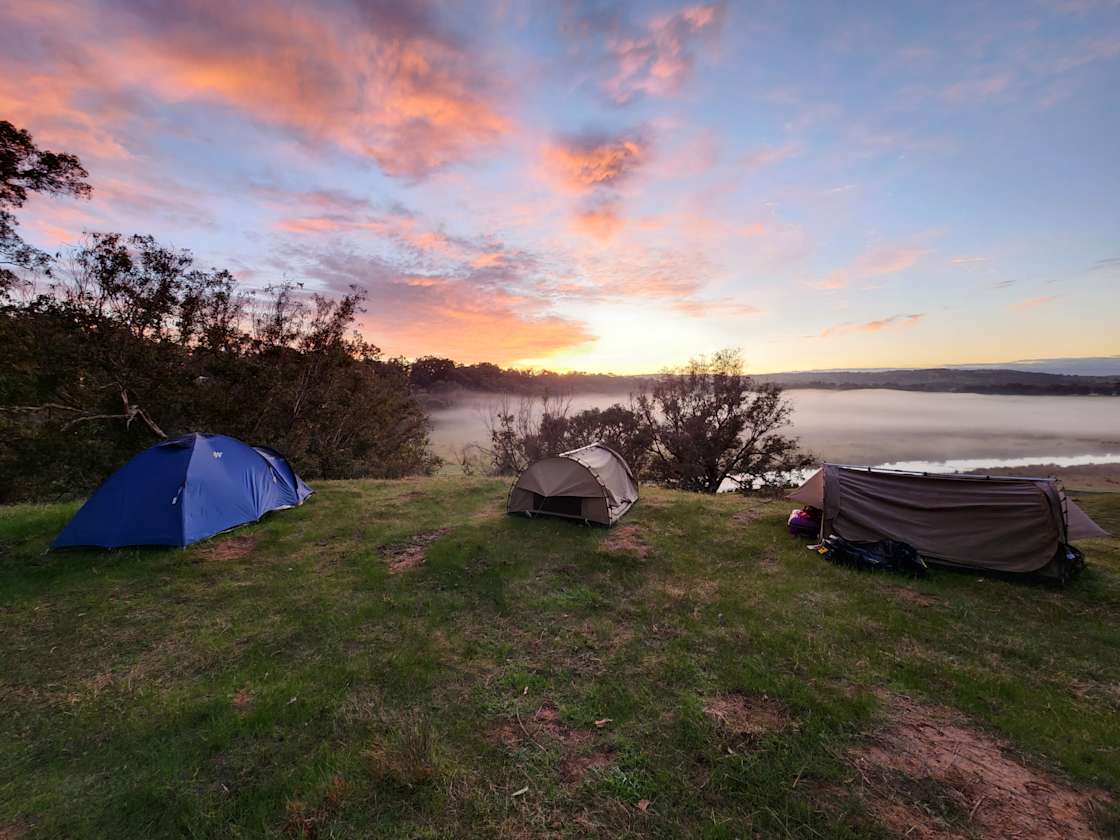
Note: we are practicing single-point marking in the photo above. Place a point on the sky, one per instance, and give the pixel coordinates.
(610, 186)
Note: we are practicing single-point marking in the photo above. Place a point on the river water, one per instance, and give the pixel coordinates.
(901, 429)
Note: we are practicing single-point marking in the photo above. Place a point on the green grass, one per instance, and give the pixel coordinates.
(302, 688)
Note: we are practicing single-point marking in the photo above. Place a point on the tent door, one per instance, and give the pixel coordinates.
(561, 505)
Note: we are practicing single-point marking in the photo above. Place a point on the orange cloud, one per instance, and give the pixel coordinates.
(601, 221)
(488, 259)
(1032, 303)
(445, 311)
(453, 331)
(584, 163)
(659, 60)
(877, 263)
(894, 321)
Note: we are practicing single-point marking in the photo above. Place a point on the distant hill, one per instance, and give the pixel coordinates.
(950, 380)
(1084, 366)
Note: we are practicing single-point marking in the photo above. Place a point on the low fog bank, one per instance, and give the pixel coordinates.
(874, 426)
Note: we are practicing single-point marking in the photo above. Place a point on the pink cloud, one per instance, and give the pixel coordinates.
(600, 221)
(765, 156)
(877, 263)
(380, 81)
(657, 61)
(1032, 303)
(974, 91)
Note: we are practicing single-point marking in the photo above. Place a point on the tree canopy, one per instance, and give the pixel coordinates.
(27, 169)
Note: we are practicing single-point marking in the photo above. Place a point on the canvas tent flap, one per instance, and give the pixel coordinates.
(1081, 527)
(811, 493)
(559, 476)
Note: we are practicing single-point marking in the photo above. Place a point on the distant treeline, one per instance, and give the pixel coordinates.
(433, 374)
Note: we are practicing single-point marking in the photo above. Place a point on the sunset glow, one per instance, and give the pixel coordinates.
(610, 186)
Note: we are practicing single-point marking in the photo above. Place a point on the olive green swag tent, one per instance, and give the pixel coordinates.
(999, 523)
(593, 483)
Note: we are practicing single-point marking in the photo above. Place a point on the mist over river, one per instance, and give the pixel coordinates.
(911, 430)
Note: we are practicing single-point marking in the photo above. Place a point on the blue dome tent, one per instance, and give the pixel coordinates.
(184, 490)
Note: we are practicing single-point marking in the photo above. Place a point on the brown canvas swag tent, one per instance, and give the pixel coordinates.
(592, 483)
(999, 523)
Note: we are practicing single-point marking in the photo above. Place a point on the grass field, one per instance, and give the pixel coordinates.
(698, 674)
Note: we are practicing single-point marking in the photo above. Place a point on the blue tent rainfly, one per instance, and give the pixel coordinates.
(182, 491)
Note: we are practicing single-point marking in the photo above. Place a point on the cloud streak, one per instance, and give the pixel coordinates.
(878, 325)
(1032, 303)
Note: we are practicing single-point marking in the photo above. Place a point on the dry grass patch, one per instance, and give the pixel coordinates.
(304, 821)
(697, 590)
(627, 539)
(232, 548)
(912, 597)
(748, 715)
(410, 554)
(1107, 693)
(929, 775)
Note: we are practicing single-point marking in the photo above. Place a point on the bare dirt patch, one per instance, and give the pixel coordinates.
(243, 699)
(930, 776)
(232, 548)
(748, 715)
(410, 554)
(581, 750)
(547, 720)
(627, 539)
(574, 768)
(745, 516)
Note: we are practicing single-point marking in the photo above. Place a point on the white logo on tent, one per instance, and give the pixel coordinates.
(216, 454)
